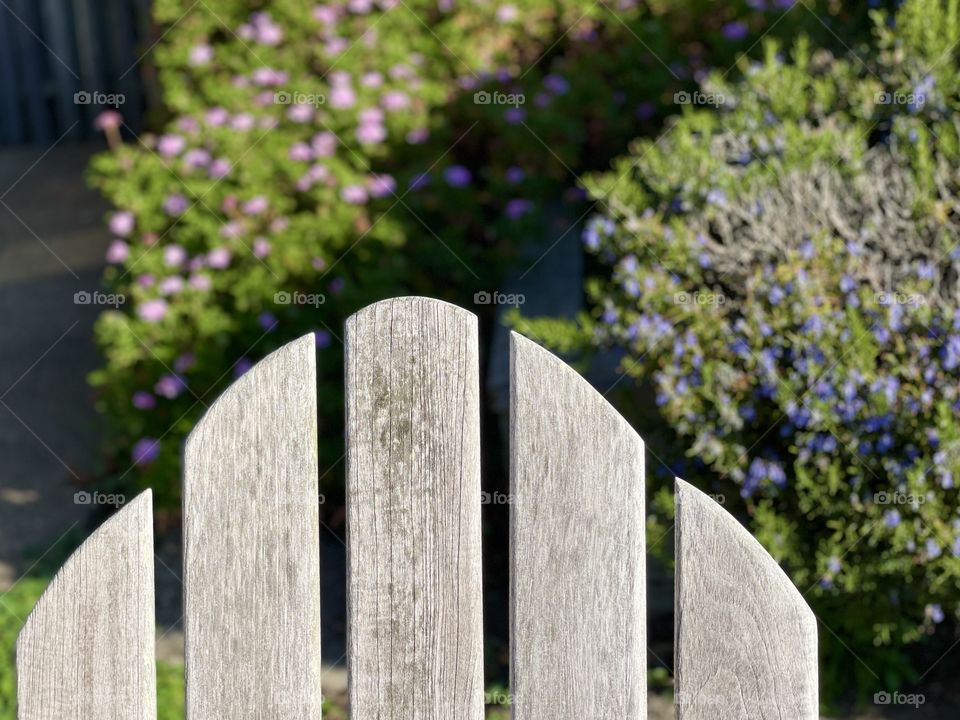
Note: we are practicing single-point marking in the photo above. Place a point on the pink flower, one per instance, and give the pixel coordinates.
(372, 80)
(300, 152)
(261, 247)
(169, 386)
(342, 97)
(268, 77)
(219, 168)
(142, 400)
(146, 280)
(232, 229)
(216, 117)
(170, 145)
(242, 122)
(417, 136)
(174, 256)
(371, 134)
(122, 223)
(318, 263)
(269, 33)
(507, 13)
(354, 194)
(369, 116)
(326, 14)
(360, 7)
(118, 252)
(200, 55)
(196, 157)
(395, 100)
(218, 258)
(171, 285)
(300, 113)
(108, 119)
(184, 362)
(256, 205)
(152, 311)
(200, 282)
(324, 144)
(336, 45)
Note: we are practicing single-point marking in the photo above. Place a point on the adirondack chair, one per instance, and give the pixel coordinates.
(746, 642)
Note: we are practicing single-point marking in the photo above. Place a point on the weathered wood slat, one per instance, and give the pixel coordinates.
(251, 546)
(578, 548)
(413, 497)
(87, 650)
(746, 642)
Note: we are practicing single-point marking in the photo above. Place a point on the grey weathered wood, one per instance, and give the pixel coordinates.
(577, 530)
(746, 642)
(251, 546)
(413, 499)
(87, 650)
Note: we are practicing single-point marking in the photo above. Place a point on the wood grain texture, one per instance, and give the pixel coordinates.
(746, 642)
(578, 548)
(87, 650)
(413, 498)
(251, 546)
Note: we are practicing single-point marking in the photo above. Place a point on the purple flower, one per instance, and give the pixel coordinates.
(935, 613)
(142, 400)
(267, 321)
(515, 115)
(201, 282)
(381, 185)
(518, 207)
(933, 549)
(891, 518)
(152, 311)
(322, 338)
(342, 97)
(417, 136)
(145, 451)
(514, 175)
(219, 168)
(457, 176)
(300, 152)
(261, 247)
(118, 252)
(736, 30)
(175, 205)
(557, 84)
(196, 157)
(169, 386)
(300, 113)
(419, 181)
(184, 362)
(241, 367)
(171, 285)
(324, 144)
(833, 565)
(122, 223)
(371, 133)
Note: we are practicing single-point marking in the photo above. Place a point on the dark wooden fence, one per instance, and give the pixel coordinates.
(62, 62)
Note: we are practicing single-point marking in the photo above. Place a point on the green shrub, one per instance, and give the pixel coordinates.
(781, 270)
(317, 160)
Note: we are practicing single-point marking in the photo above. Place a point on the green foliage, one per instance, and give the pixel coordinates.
(317, 159)
(781, 269)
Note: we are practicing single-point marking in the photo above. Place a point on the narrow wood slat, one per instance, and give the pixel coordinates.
(746, 642)
(578, 604)
(413, 497)
(87, 650)
(11, 97)
(251, 546)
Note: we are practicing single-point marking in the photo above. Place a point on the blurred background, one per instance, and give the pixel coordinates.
(738, 219)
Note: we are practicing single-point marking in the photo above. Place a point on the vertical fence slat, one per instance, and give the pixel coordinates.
(578, 641)
(746, 642)
(87, 650)
(413, 498)
(11, 122)
(251, 539)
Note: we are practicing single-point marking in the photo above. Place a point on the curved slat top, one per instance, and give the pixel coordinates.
(87, 650)
(746, 642)
(578, 547)
(251, 546)
(415, 639)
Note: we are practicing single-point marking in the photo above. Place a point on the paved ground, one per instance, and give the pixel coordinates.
(52, 243)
